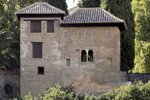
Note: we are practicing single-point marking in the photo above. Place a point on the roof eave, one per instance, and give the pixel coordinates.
(122, 25)
(19, 15)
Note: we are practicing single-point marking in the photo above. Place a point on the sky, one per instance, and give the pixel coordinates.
(71, 4)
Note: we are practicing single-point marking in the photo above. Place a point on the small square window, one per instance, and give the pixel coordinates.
(37, 49)
(40, 70)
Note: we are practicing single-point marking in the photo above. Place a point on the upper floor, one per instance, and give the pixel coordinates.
(41, 13)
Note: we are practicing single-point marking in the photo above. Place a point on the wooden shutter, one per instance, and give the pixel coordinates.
(50, 26)
(37, 49)
(68, 62)
(35, 26)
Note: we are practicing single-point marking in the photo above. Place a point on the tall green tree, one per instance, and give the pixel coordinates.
(141, 10)
(122, 9)
(89, 3)
(9, 34)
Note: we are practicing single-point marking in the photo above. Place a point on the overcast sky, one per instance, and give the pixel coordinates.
(71, 4)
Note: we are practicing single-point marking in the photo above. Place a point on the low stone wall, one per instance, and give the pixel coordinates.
(9, 85)
(138, 77)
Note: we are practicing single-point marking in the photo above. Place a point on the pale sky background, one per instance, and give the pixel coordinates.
(71, 4)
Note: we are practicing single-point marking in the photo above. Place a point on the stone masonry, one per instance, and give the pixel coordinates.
(68, 42)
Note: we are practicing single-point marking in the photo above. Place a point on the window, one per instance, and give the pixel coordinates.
(40, 70)
(90, 56)
(37, 49)
(68, 62)
(87, 56)
(83, 56)
(50, 26)
(35, 26)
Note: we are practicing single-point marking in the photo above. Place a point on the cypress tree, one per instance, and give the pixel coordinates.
(89, 3)
(141, 10)
(122, 9)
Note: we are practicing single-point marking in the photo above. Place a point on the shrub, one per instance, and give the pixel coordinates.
(57, 92)
(29, 97)
(135, 91)
(54, 92)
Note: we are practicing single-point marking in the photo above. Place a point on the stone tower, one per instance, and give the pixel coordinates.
(82, 49)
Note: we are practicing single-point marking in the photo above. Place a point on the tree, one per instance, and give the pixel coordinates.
(89, 3)
(122, 9)
(9, 35)
(61, 4)
(141, 10)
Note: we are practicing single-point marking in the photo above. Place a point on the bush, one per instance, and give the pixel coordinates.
(54, 92)
(135, 91)
(57, 92)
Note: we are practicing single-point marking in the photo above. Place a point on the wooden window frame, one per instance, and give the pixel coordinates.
(68, 62)
(50, 26)
(35, 26)
(37, 49)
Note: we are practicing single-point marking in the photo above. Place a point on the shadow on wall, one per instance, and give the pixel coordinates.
(144, 77)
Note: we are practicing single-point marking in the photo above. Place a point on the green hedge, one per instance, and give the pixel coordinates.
(135, 91)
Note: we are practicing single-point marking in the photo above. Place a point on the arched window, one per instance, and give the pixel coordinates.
(90, 56)
(83, 56)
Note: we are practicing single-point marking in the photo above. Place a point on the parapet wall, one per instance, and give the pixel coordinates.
(138, 77)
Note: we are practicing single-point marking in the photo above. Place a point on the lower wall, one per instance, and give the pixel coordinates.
(9, 85)
(138, 77)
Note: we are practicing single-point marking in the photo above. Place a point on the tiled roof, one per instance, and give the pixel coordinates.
(90, 15)
(40, 8)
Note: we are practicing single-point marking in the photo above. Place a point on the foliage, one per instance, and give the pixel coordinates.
(89, 3)
(135, 91)
(55, 92)
(122, 9)
(142, 60)
(9, 27)
(141, 10)
(30, 97)
(8, 56)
